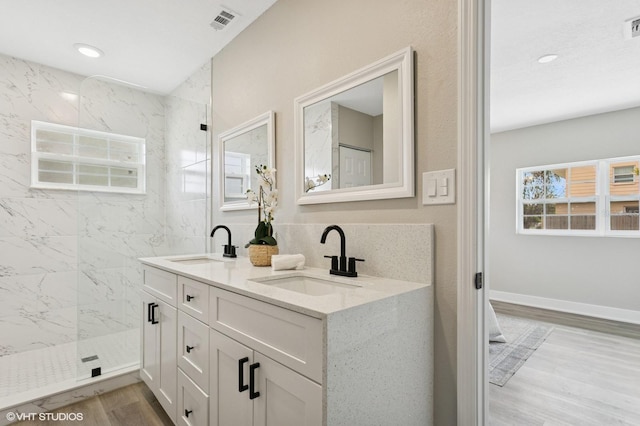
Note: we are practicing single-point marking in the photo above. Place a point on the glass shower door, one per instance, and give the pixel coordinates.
(115, 228)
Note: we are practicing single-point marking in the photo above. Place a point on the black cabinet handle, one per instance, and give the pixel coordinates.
(252, 381)
(241, 386)
(190, 348)
(189, 298)
(153, 307)
(149, 314)
(187, 412)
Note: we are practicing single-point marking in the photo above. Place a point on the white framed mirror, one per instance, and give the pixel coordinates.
(240, 150)
(354, 136)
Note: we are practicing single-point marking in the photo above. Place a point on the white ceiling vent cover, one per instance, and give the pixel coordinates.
(632, 27)
(224, 18)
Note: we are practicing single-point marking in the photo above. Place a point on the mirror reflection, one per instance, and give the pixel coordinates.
(349, 136)
(354, 136)
(241, 154)
(241, 150)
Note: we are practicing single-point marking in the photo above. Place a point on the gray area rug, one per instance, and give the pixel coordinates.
(523, 338)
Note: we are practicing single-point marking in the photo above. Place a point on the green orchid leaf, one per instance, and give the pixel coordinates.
(261, 231)
(269, 241)
(263, 235)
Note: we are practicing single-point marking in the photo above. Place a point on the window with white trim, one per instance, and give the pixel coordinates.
(597, 198)
(623, 174)
(237, 175)
(65, 157)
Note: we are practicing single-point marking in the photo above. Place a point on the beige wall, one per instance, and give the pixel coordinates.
(355, 128)
(300, 45)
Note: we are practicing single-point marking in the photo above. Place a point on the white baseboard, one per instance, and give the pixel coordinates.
(597, 311)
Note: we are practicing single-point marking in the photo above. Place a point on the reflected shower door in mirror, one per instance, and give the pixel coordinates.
(241, 149)
(354, 136)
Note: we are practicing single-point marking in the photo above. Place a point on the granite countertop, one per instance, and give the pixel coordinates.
(239, 275)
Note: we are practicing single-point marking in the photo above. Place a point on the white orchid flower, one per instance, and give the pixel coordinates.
(251, 196)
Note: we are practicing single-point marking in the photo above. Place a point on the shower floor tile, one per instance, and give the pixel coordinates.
(26, 372)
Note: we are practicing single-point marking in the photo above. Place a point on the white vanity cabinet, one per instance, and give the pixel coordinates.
(250, 389)
(193, 352)
(262, 359)
(158, 366)
(222, 349)
(175, 345)
(193, 403)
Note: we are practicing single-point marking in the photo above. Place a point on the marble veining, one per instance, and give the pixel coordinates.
(69, 258)
(318, 139)
(69, 267)
(188, 163)
(21, 216)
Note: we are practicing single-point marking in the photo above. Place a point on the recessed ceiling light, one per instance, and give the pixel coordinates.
(87, 50)
(547, 58)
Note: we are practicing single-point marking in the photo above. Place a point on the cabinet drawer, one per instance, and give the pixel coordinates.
(194, 298)
(162, 284)
(289, 337)
(193, 403)
(193, 349)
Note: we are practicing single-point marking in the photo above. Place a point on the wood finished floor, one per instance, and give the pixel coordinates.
(576, 377)
(133, 405)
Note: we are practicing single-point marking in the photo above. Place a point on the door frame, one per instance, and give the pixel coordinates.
(473, 112)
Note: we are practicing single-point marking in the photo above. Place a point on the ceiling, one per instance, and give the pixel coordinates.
(156, 44)
(597, 69)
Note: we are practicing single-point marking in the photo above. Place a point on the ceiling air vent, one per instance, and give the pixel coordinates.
(635, 28)
(632, 27)
(224, 18)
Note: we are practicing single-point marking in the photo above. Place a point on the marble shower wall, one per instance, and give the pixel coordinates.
(38, 228)
(53, 240)
(188, 162)
(115, 229)
(318, 137)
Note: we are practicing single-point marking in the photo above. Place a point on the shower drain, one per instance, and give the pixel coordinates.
(89, 358)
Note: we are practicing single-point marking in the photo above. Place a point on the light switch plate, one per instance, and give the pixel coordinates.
(445, 187)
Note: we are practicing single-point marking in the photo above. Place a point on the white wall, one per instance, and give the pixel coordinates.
(600, 271)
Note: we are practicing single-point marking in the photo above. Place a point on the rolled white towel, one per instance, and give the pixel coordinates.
(287, 261)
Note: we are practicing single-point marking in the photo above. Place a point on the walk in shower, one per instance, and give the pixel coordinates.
(69, 275)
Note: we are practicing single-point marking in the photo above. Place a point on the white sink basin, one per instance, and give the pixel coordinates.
(309, 285)
(194, 260)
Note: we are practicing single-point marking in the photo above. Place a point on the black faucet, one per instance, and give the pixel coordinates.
(340, 267)
(229, 249)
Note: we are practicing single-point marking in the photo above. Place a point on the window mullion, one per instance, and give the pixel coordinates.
(85, 165)
(605, 196)
(598, 194)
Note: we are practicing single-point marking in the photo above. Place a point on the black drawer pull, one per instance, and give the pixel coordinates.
(190, 348)
(189, 298)
(153, 307)
(252, 381)
(241, 386)
(187, 412)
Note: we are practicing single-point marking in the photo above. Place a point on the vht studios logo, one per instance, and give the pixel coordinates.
(53, 417)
